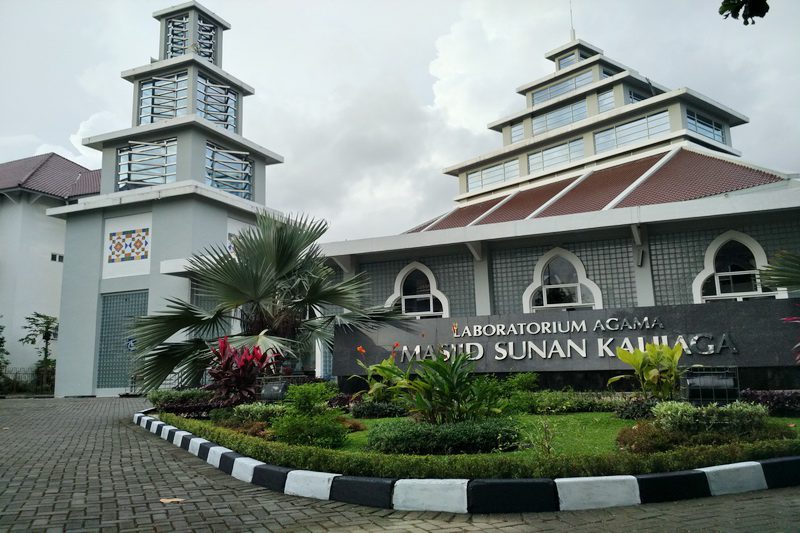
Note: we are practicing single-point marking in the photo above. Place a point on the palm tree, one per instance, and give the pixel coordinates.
(783, 271)
(275, 285)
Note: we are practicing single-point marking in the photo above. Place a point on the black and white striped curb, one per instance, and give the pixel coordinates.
(488, 495)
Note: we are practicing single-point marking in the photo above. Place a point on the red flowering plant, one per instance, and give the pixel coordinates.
(235, 372)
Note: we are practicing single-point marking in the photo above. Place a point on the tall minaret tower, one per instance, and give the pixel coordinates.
(181, 178)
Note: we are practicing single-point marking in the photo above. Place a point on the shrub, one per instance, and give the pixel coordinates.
(164, 396)
(235, 372)
(524, 381)
(323, 430)
(636, 408)
(259, 412)
(310, 398)
(422, 438)
(378, 410)
(444, 391)
(555, 402)
(199, 409)
(655, 368)
(779, 402)
(342, 401)
(495, 465)
(381, 379)
(736, 418)
(223, 416)
(647, 437)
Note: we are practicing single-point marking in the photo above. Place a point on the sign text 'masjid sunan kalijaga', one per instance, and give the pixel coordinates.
(627, 334)
(745, 334)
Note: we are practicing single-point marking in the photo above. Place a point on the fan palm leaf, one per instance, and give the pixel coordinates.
(274, 285)
(783, 271)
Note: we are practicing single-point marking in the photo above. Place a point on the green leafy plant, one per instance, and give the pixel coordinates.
(3, 351)
(379, 410)
(784, 271)
(259, 412)
(161, 397)
(381, 379)
(275, 285)
(524, 381)
(735, 418)
(655, 368)
(40, 327)
(636, 408)
(749, 9)
(444, 391)
(323, 430)
(422, 438)
(310, 398)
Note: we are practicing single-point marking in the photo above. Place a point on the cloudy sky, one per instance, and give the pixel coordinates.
(368, 100)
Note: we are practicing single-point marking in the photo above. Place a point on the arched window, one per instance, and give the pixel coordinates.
(732, 262)
(559, 281)
(416, 293)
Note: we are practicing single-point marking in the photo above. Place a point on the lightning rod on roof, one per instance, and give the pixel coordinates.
(571, 25)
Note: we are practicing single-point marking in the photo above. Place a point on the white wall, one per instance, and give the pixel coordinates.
(29, 280)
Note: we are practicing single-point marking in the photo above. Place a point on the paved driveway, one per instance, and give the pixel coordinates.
(82, 465)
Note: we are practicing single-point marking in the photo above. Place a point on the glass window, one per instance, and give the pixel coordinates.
(562, 87)
(634, 96)
(555, 155)
(559, 117)
(177, 36)
(494, 174)
(705, 126)
(606, 72)
(735, 273)
(605, 101)
(517, 132)
(631, 132)
(142, 164)
(229, 170)
(216, 102)
(206, 38)
(163, 97)
(567, 60)
(561, 287)
(417, 299)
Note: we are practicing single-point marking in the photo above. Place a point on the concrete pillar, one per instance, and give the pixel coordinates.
(642, 269)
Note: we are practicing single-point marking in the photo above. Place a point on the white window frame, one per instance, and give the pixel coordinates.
(709, 270)
(397, 295)
(583, 280)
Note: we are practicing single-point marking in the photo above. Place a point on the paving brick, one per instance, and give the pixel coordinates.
(83, 464)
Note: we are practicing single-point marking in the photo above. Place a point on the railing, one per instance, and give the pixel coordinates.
(27, 381)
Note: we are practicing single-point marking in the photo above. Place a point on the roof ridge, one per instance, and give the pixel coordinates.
(37, 167)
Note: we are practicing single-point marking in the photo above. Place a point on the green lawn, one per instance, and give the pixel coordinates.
(572, 434)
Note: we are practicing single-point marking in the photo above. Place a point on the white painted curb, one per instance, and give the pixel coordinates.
(243, 468)
(215, 453)
(735, 478)
(576, 493)
(309, 484)
(445, 495)
(165, 431)
(194, 445)
(178, 437)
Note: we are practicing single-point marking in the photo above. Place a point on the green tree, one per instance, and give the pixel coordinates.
(782, 271)
(40, 327)
(747, 8)
(275, 285)
(3, 351)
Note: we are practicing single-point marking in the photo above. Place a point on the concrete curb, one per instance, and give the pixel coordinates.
(488, 495)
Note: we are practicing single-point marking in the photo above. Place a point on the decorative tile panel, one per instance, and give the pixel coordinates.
(128, 245)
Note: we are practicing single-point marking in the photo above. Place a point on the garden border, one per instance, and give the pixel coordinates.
(488, 495)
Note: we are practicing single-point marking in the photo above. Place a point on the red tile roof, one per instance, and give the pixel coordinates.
(602, 186)
(526, 202)
(690, 175)
(49, 174)
(464, 215)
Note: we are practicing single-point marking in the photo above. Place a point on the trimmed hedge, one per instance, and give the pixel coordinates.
(370, 409)
(509, 465)
(162, 397)
(549, 402)
(470, 436)
(779, 402)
